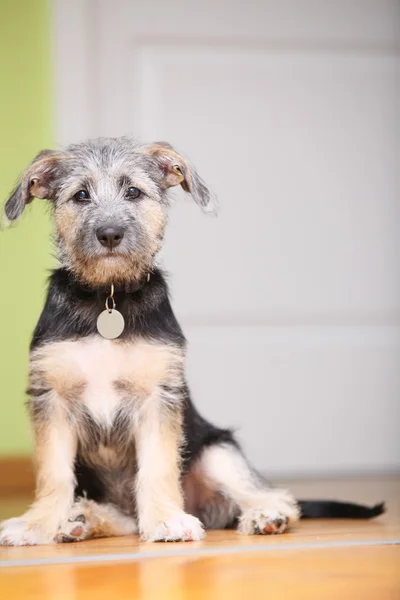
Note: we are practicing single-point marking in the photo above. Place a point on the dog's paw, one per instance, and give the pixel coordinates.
(87, 520)
(278, 512)
(79, 525)
(21, 532)
(258, 521)
(76, 529)
(179, 528)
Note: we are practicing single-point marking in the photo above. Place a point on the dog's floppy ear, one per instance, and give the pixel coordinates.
(174, 170)
(37, 181)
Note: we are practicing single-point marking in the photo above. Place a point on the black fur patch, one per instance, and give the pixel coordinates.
(71, 311)
(330, 509)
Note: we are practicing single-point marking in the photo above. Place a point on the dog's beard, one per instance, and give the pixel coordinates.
(104, 269)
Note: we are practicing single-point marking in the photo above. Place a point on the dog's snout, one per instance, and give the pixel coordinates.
(110, 236)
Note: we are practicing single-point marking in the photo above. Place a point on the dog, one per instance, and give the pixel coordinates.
(119, 446)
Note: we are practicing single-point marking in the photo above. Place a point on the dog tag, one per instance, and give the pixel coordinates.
(110, 324)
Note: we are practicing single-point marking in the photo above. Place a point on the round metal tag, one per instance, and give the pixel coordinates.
(110, 324)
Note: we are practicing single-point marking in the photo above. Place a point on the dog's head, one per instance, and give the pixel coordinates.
(109, 199)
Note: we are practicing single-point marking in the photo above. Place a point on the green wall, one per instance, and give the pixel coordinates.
(25, 128)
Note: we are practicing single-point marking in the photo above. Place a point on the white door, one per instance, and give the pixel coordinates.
(290, 111)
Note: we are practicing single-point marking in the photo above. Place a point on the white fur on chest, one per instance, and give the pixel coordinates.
(100, 363)
(100, 373)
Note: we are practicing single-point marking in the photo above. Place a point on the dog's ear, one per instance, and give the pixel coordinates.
(173, 170)
(37, 181)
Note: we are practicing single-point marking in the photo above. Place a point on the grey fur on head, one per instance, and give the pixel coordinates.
(88, 184)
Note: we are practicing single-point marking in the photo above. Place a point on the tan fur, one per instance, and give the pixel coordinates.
(225, 469)
(69, 387)
(173, 163)
(155, 220)
(55, 447)
(214, 508)
(37, 179)
(158, 438)
(65, 221)
(195, 490)
(88, 519)
(95, 367)
(55, 450)
(116, 268)
(109, 458)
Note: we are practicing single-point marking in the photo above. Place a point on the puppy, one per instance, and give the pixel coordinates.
(119, 446)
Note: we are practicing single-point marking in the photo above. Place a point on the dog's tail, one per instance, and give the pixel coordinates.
(330, 509)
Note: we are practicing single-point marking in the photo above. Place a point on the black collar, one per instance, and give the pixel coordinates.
(130, 287)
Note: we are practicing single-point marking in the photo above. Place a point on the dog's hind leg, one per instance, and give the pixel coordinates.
(89, 519)
(260, 509)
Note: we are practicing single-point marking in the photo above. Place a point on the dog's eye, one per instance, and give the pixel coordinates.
(133, 193)
(82, 196)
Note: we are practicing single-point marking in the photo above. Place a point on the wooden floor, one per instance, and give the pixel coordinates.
(318, 559)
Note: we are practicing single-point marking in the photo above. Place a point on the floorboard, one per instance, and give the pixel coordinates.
(317, 559)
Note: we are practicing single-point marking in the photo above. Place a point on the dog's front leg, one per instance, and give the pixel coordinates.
(159, 497)
(55, 450)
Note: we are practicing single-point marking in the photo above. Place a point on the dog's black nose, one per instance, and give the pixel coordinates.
(110, 236)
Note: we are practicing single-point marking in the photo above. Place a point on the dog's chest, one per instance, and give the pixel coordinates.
(104, 375)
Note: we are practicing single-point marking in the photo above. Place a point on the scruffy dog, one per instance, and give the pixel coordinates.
(120, 448)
